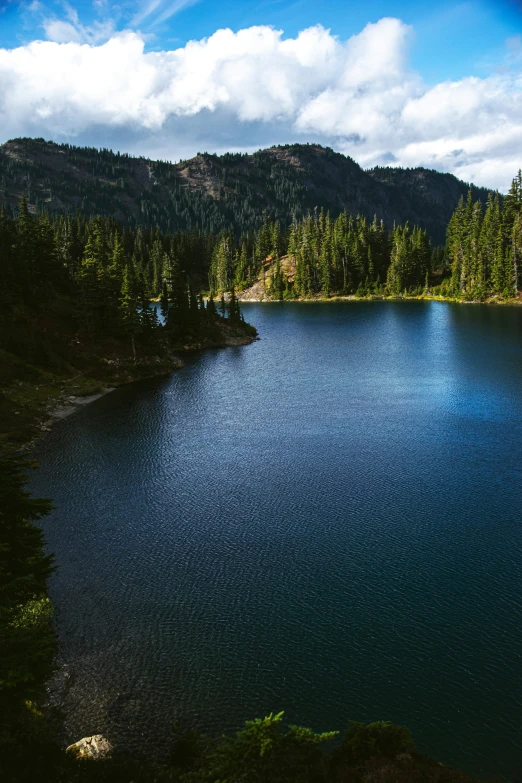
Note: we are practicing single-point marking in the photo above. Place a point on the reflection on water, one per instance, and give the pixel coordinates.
(326, 522)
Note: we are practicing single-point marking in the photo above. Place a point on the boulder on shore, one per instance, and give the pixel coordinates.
(95, 747)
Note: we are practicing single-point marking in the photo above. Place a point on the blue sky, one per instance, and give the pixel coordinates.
(323, 93)
(452, 39)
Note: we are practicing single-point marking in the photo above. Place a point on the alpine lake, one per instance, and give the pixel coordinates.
(326, 522)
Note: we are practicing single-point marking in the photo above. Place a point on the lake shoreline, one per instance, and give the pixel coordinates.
(61, 406)
(377, 298)
(36, 407)
(69, 405)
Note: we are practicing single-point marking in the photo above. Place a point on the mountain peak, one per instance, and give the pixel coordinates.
(228, 192)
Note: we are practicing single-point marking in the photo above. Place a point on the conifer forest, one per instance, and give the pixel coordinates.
(76, 286)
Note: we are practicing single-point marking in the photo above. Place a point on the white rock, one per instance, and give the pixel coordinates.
(95, 747)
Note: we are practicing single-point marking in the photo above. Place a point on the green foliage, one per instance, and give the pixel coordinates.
(410, 260)
(234, 310)
(264, 751)
(76, 281)
(213, 194)
(24, 571)
(348, 255)
(27, 641)
(484, 248)
(381, 739)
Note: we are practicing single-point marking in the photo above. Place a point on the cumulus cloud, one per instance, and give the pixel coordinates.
(254, 87)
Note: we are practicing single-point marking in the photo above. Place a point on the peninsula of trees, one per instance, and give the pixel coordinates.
(76, 313)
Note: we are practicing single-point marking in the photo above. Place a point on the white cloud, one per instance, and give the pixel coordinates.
(73, 31)
(174, 8)
(146, 10)
(61, 32)
(254, 87)
(156, 12)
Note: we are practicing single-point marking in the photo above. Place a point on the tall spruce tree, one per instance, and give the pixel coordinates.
(129, 302)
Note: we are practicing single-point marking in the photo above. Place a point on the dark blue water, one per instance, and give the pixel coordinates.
(327, 522)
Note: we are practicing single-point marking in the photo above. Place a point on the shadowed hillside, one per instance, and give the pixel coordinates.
(228, 192)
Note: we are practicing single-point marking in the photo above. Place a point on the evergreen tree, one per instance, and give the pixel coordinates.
(513, 227)
(26, 250)
(485, 250)
(90, 289)
(164, 303)
(211, 307)
(26, 638)
(129, 300)
(10, 290)
(234, 311)
(179, 297)
(263, 751)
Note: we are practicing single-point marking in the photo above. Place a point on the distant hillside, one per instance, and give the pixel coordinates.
(231, 191)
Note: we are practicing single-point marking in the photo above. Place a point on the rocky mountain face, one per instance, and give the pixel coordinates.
(213, 193)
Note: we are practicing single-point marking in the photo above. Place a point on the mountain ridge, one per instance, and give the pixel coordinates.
(228, 192)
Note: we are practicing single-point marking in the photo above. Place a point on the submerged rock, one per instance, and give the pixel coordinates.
(95, 747)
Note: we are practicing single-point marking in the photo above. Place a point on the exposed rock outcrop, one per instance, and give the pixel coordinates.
(95, 747)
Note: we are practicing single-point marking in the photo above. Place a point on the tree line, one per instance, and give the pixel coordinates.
(484, 246)
(349, 255)
(95, 278)
(108, 273)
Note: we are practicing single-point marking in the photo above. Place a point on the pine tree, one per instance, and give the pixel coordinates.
(211, 307)
(90, 290)
(110, 283)
(10, 290)
(234, 311)
(455, 244)
(156, 260)
(221, 274)
(164, 301)
(513, 227)
(487, 243)
(179, 297)
(26, 639)
(26, 249)
(129, 302)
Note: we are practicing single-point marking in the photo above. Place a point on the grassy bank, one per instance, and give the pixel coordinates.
(427, 297)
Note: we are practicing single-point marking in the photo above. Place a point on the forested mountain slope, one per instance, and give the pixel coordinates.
(228, 192)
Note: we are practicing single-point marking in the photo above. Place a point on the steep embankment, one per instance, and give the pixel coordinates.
(228, 192)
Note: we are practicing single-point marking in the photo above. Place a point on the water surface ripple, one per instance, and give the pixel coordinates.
(327, 522)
